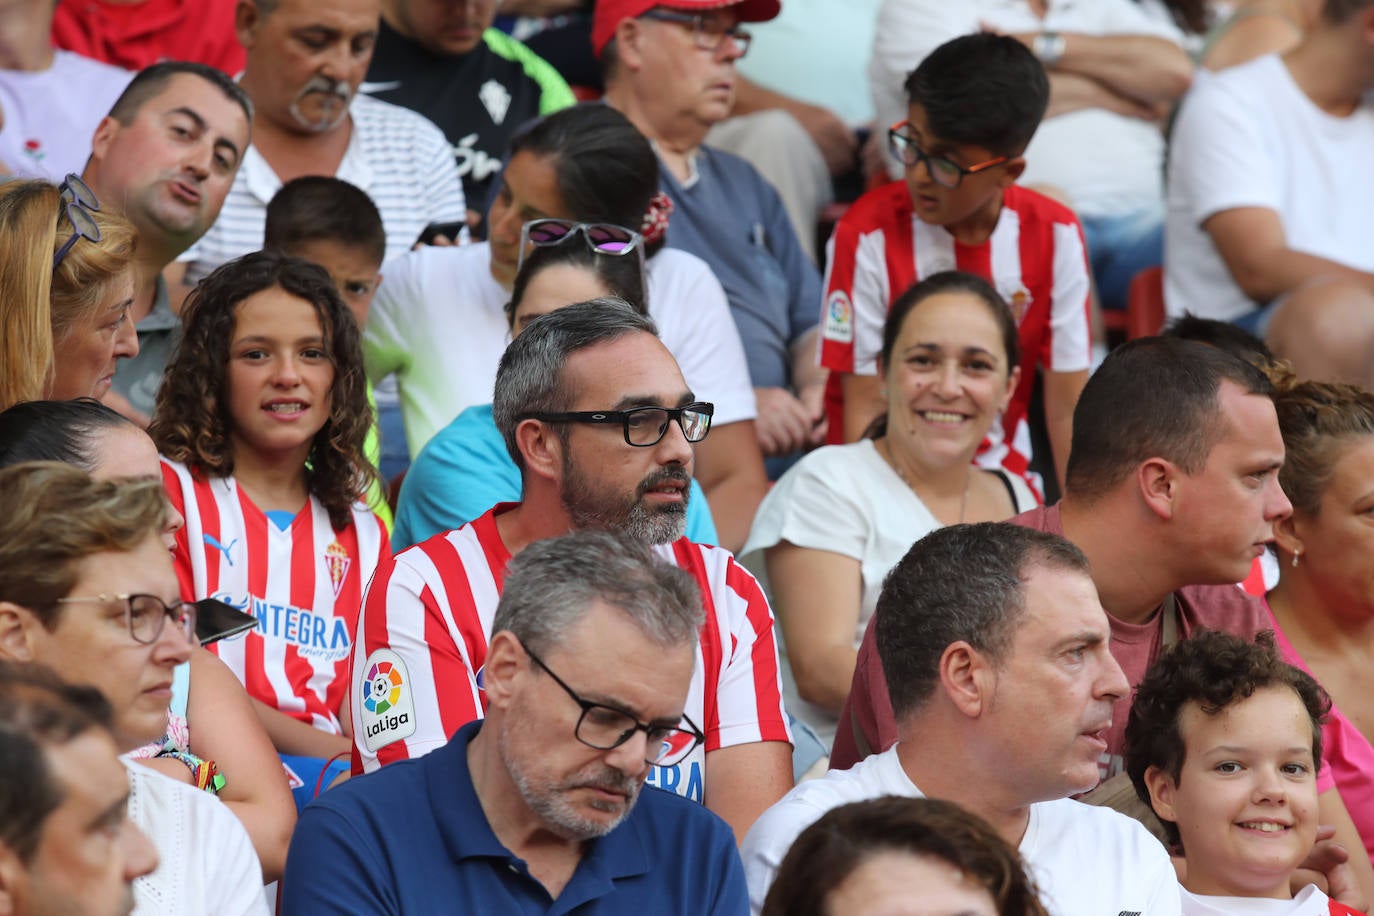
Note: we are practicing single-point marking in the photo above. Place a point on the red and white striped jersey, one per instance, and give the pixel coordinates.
(304, 584)
(423, 638)
(1036, 258)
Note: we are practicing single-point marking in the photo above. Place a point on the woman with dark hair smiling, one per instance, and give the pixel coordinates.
(845, 514)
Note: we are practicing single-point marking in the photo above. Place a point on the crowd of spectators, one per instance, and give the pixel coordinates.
(523, 456)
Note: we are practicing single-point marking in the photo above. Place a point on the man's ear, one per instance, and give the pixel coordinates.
(1163, 791)
(1157, 479)
(104, 135)
(247, 20)
(506, 659)
(541, 447)
(629, 43)
(967, 678)
(17, 631)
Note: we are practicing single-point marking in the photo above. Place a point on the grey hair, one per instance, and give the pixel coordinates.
(551, 585)
(529, 379)
(960, 583)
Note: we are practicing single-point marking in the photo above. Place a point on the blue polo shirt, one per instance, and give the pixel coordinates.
(412, 838)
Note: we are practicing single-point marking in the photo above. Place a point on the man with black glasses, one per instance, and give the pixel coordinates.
(544, 799)
(597, 416)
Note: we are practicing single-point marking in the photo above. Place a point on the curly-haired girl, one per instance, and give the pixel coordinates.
(261, 421)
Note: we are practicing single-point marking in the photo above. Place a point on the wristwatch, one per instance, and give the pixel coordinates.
(1048, 47)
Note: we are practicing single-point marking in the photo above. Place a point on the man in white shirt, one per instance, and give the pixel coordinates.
(1270, 194)
(1003, 684)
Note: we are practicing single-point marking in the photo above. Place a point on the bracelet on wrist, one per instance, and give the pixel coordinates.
(205, 774)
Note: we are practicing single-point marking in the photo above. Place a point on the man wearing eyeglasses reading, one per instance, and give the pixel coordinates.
(544, 800)
(597, 416)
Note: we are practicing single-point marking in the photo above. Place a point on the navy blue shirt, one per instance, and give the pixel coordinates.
(733, 219)
(412, 838)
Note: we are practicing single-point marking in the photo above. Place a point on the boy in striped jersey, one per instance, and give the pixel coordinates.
(975, 103)
(595, 412)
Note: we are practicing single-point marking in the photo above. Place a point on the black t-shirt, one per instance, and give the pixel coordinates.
(477, 99)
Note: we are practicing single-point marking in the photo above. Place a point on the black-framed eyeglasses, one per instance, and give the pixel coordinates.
(944, 172)
(78, 203)
(145, 615)
(605, 727)
(643, 426)
(602, 238)
(708, 34)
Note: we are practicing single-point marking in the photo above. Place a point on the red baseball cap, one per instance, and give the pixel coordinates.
(609, 13)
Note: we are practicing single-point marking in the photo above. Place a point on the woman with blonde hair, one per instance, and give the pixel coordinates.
(65, 291)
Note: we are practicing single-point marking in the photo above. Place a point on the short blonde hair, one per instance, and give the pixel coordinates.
(53, 515)
(40, 304)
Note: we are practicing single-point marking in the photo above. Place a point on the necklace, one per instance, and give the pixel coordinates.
(885, 451)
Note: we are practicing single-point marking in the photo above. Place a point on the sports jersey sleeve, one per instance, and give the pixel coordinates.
(739, 640)
(1069, 344)
(413, 679)
(856, 300)
(181, 551)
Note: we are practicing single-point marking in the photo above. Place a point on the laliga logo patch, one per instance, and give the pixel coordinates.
(388, 710)
(839, 317)
(337, 561)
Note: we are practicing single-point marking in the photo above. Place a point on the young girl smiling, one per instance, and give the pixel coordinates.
(261, 422)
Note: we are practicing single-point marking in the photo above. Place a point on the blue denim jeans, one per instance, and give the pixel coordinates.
(1119, 247)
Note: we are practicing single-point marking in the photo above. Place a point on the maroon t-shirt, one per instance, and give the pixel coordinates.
(1135, 646)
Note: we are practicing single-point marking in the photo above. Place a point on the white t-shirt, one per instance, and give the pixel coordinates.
(1249, 137)
(1109, 164)
(206, 863)
(398, 157)
(1086, 861)
(50, 115)
(439, 323)
(846, 499)
(1310, 901)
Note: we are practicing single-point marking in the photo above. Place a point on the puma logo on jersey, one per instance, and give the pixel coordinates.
(213, 542)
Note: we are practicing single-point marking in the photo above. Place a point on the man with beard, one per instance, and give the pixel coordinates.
(597, 416)
(542, 800)
(305, 59)
(165, 157)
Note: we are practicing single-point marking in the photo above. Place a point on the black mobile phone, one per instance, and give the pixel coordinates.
(216, 620)
(447, 230)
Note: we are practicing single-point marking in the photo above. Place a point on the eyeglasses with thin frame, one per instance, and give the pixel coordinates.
(145, 615)
(78, 203)
(605, 727)
(708, 34)
(643, 426)
(944, 172)
(602, 238)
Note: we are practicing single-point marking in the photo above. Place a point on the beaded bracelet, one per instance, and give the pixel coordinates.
(205, 774)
